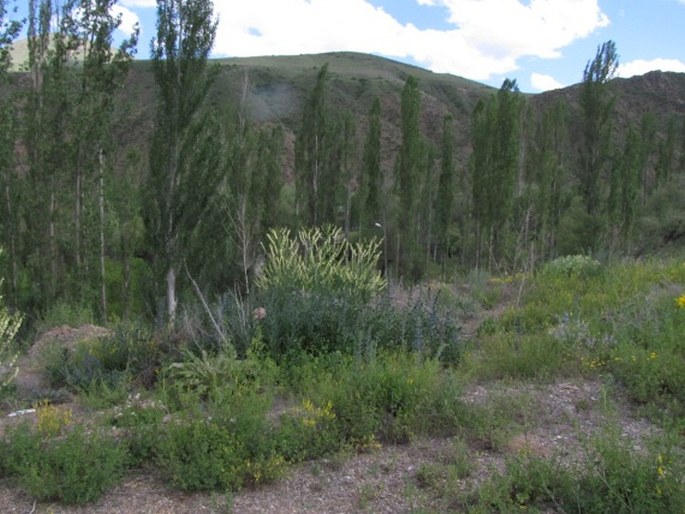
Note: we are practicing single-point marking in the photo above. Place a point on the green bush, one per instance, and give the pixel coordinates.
(80, 368)
(576, 266)
(308, 431)
(197, 454)
(528, 356)
(392, 397)
(221, 449)
(140, 425)
(133, 349)
(76, 468)
(322, 259)
(19, 448)
(322, 322)
(622, 481)
(221, 374)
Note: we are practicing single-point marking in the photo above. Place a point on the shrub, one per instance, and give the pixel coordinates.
(314, 288)
(529, 356)
(140, 424)
(223, 448)
(79, 368)
(76, 468)
(578, 266)
(18, 449)
(197, 454)
(308, 432)
(392, 397)
(52, 420)
(130, 348)
(221, 374)
(322, 259)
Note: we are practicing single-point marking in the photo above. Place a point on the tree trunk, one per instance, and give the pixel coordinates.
(171, 300)
(103, 283)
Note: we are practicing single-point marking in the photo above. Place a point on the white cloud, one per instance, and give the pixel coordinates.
(128, 18)
(488, 38)
(544, 82)
(641, 66)
(139, 3)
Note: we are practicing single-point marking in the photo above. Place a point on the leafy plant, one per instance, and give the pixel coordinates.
(578, 266)
(52, 420)
(76, 468)
(197, 454)
(9, 325)
(220, 374)
(223, 450)
(319, 259)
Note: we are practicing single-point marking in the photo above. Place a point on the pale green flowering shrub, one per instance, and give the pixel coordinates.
(322, 259)
(572, 266)
(9, 325)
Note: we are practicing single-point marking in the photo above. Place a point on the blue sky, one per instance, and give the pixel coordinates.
(543, 44)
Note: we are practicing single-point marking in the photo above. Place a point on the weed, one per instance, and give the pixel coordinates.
(52, 420)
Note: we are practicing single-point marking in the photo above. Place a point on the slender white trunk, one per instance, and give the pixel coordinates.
(103, 285)
(171, 300)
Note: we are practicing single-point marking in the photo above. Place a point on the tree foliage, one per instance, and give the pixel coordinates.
(184, 158)
(597, 105)
(495, 165)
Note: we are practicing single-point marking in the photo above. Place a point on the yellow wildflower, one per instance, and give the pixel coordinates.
(680, 301)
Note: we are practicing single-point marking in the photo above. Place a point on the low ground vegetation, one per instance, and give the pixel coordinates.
(234, 396)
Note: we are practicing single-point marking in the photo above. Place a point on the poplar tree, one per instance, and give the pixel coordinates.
(495, 164)
(548, 159)
(317, 177)
(666, 154)
(597, 105)
(647, 142)
(630, 182)
(88, 27)
(408, 173)
(9, 31)
(370, 180)
(183, 157)
(47, 118)
(253, 185)
(445, 196)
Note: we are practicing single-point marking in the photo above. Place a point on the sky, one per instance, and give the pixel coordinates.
(543, 44)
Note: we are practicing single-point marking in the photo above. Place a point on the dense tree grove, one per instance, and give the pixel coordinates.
(183, 215)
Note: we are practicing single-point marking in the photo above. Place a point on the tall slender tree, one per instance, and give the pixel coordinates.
(315, 180)
(46, 138)
(666, 154)
(183, 158)
(445, 196)
(647, 142)
(9, 31)
(495, 166)
(548, 160)
(597, 105)
(370, 178)
(88, 27)
(409, 171)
